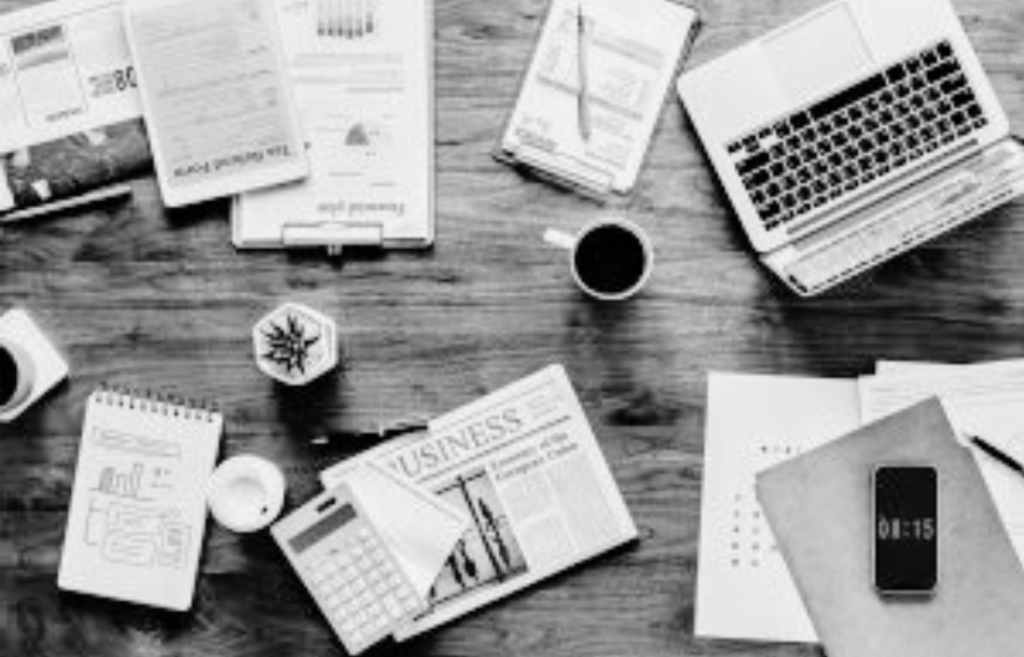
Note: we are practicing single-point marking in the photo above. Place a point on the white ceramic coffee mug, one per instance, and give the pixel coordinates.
(18, 372)
(246, 493)
(611, 259)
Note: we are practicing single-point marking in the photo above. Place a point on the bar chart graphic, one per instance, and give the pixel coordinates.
(121, 484)
(349, 20)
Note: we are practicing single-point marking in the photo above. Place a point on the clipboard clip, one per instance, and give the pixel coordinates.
(335, 235)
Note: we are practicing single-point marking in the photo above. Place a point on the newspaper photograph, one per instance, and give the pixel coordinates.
(525, 467)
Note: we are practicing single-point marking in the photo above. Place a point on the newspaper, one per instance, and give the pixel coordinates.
(524, 465)
(69, 106)
(64, 69)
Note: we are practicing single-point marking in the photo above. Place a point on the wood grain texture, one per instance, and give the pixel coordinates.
(141, 296)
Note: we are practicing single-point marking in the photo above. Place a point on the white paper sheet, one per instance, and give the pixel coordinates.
(744, 590)
(420, 528)
(984, 400)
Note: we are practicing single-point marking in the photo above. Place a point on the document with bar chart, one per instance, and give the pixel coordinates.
(138, 505)
(362, 71)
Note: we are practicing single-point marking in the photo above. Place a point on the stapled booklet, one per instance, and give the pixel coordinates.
(217, 102)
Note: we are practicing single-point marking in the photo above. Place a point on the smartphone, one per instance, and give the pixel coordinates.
(905, 525)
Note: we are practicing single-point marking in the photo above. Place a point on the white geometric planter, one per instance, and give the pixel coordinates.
(295, 344)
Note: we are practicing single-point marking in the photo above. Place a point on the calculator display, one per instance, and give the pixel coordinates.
(324, 527)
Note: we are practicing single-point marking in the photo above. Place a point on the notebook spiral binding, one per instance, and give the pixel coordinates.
(156, 401)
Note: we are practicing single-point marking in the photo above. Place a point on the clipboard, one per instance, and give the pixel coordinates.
(628, 66)
(335, 207)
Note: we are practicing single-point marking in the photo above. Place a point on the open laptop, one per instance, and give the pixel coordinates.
(854, 134)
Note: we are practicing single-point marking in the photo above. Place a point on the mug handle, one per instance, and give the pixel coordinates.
(560, 239)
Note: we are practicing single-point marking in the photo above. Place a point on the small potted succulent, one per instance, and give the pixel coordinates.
(295, 344)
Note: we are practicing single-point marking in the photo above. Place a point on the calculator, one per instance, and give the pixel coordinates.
(346, 566)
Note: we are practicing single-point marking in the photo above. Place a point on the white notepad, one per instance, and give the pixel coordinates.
(138, 505)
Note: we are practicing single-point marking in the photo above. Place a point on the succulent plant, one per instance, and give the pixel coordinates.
(287, 345)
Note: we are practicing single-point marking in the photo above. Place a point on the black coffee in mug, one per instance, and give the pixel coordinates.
(8, 376)
(610, 259)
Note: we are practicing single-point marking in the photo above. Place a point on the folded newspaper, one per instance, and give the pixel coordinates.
(525, 467)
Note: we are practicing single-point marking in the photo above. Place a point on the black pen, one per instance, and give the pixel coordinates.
(998, 454)
(381, 434)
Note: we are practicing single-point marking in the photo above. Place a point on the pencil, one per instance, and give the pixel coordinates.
(583, 72)
(998, 454)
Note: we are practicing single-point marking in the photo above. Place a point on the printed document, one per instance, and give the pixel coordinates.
(65, 68)
(215, 95)
(362, 73)
(982, 400)
(631, 52)
(744, 589)
(524, 466)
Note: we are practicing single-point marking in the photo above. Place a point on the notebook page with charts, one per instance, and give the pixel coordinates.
(985, 400)
(744, 590)
(594, 90)
(138, 503)
(215, 95)
(363, 77)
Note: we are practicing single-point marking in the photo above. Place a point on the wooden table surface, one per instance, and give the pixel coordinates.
(144, 297)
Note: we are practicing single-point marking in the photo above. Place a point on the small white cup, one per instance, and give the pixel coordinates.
(246, 493)
(572, 243)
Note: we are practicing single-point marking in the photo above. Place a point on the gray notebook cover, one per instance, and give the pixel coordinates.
(819, 508)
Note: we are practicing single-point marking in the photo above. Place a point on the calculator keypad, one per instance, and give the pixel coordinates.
(361, 590)
(348, 568)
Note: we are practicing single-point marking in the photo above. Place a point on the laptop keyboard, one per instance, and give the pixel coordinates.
(875, 128)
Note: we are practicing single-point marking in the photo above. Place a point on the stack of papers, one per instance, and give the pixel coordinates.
(744, 590)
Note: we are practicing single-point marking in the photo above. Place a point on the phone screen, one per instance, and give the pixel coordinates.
(906, 529)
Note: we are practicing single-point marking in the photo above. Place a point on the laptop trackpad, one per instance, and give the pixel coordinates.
(819, 54)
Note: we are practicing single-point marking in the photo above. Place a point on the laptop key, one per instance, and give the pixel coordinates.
(895, 73)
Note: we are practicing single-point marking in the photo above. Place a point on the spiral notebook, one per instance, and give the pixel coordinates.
(138, 506)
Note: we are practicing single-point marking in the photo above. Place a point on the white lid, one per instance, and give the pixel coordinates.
(246, 493)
